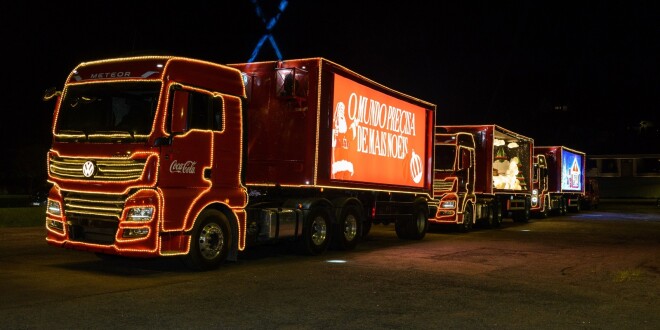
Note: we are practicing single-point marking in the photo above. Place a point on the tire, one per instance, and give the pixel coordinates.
(524, 215)
(468, 219)
(415, 229)
(210, 241)
(316, 232)
(348, 230)
(578, 207)
(544, 213)
(497, 214)
(562, 206)
(420, 224)
(490, 217)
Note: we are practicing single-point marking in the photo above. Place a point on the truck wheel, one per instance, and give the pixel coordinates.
(524, 215)
(415, 229)
(494, 216)
(468, 219)
(316, 234)
(496, 209)
(420, 224)
(577, 206)
(489, 217)
(209, 242)
(562, 206)
(544, 212)
(348, 229)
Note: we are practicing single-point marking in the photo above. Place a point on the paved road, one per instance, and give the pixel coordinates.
(592, 270)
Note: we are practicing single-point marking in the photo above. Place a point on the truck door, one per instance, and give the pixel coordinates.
(186, 162)
(465, 171)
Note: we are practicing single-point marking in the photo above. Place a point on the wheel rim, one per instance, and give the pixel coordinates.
(350, 227)
(211, 241)
(319, 230)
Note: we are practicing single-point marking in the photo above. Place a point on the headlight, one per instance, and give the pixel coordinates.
(140, 214)
(448, 204)
(54, 208)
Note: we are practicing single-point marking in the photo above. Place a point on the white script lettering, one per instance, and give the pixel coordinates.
(186, 168)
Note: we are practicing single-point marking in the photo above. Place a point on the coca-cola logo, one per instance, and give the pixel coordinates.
(416, 167)
(187, 168)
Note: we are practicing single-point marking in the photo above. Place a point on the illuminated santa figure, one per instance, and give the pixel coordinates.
(341, 167)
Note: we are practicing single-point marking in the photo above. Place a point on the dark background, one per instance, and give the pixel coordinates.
(580, 74)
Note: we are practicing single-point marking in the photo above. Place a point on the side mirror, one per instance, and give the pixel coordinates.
(51, 93)
(163, 141)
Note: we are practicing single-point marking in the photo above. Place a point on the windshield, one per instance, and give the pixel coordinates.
(445, 157)
(117, 111)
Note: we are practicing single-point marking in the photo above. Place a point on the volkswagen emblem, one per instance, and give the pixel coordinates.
(88, 169)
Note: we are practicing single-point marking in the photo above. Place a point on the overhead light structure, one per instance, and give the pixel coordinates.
(270, 24)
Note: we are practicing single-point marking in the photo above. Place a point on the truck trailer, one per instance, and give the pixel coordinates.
(559, 180)
(165, 156)
(482, 174)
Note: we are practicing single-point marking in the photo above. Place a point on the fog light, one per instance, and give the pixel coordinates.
(136, 232)
(53, 224)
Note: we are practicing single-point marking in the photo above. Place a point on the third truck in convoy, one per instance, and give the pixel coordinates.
(559, 180)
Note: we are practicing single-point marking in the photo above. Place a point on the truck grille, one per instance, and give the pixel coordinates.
(442, 186)
(93, 218)
(107, 169)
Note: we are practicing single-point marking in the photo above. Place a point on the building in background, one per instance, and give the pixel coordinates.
(626, 175)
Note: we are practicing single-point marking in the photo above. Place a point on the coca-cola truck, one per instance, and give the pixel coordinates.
(482, 173)
(559, 180)
(168, 156)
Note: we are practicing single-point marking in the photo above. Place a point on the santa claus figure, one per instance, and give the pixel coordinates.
(342, 168)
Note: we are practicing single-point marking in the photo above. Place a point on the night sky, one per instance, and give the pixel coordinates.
(580, 74)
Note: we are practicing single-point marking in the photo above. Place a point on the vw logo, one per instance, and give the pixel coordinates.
(88, 169)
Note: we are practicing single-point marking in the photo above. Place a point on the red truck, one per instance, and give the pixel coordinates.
(168, 156)
(482, 173)
(559, 180)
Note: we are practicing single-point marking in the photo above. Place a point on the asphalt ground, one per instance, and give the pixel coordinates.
(596, 269)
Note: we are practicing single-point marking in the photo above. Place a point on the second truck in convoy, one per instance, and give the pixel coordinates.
(482, 173)
(170, 156)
